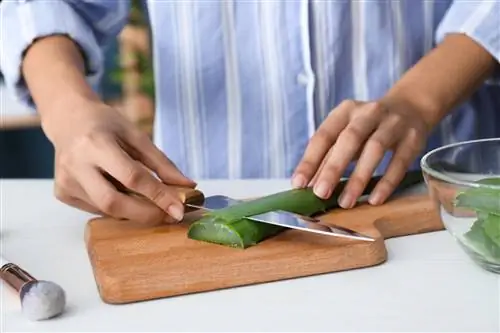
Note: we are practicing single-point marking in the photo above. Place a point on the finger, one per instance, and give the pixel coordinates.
(146, 152)
(344, 150)
(111, 202)
(72, 201)
(82, 205)
(114, 161)
(403, 157)
(382, 140)
(68, 191)
(318, 172)
(320, 143)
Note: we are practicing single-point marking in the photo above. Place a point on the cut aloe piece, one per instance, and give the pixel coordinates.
(229, 226)
(484, 235)
(491, 227)
(481, 199)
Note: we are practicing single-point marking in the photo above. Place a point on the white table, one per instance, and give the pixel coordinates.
(428, 284)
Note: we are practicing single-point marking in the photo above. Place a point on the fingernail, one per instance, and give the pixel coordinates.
(375, 198)
(176, 212)
(322, 190)
(346, 200)
(298, 181)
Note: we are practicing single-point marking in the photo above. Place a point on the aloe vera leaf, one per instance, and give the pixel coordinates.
(480, 239)
(481, 199)
(229, 226)
(491, 228)
(242, 234)
(484, 235)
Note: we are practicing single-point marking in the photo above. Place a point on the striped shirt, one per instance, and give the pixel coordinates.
(242, 85)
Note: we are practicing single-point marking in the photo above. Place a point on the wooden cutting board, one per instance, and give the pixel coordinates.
(136, 263)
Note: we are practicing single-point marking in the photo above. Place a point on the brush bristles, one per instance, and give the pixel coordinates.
(42, 300)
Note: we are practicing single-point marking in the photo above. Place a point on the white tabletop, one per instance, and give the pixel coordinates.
(428, 283)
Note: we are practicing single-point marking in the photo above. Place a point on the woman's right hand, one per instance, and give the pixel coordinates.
(96, 142)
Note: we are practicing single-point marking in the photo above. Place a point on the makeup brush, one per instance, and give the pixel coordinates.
(40, 299)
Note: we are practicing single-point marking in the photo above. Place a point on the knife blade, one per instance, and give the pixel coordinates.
(304, 223)
(284, 219)
(192, 197)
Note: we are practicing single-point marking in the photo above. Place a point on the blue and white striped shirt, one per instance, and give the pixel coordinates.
(242, 85)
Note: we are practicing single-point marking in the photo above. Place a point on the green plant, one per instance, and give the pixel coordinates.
(484, 235)
(144, 63)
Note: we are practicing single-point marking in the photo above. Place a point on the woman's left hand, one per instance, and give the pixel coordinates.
(362, 131)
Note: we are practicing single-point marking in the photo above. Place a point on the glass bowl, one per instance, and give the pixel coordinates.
(463, 179)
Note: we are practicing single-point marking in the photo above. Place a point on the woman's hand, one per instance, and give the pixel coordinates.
(97, 142)
(362, 131)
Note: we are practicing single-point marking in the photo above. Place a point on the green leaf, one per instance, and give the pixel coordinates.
(229, 227)
(481, 199)
(484, 238)
(491, 226)
(484, 235)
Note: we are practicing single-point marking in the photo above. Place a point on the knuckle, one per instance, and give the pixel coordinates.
(394, 119)
(132, 178)
(91, 140)
(108, 202)
(388, 184)
(375, 109)
(65, 161)
(357, 183)
(63, 179)
(413, 135)
(378, 142)
(62, 188)
(61, 194)
(306, 167)
(348, 104)
(331, 170)
(353, 135)
(161, 196)
(321, 136)
(400, 162)
(414, 139)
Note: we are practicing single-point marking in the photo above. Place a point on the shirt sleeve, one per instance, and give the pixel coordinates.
(479, 20)
(90, 24)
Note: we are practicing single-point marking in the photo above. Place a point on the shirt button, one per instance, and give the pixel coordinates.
(302, 79)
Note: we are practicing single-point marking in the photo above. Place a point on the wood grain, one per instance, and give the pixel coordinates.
(136, 263)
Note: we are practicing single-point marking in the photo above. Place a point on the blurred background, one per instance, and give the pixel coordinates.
(127, 84)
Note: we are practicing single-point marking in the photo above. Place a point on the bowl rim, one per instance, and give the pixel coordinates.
(436, 174)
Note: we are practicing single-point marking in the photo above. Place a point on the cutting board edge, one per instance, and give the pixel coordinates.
(112, 292)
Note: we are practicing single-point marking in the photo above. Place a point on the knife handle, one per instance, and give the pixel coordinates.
(189, 195)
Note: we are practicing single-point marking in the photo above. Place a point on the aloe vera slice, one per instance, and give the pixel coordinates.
(491, 227)
(481, 199)
(484, 235)
(229, 227)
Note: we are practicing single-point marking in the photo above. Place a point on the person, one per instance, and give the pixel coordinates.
(308, 90)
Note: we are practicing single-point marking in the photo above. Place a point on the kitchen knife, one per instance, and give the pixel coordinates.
(195, 200)
(304, 223)
(283, 218)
